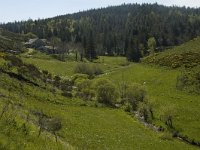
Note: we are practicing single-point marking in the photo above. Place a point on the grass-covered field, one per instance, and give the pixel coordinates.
(161, 87)
(83, 127)
(57, 67)
(186, 55)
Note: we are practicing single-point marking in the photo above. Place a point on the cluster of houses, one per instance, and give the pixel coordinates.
(39, 44)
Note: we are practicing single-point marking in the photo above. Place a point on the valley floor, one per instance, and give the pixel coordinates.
(86, 127)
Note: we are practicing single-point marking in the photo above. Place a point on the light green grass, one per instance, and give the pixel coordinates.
(53, 66)
(186, 55)
(161, 87)
(57, 67)
(83, 127)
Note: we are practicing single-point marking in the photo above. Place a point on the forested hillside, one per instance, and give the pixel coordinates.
(122, 30)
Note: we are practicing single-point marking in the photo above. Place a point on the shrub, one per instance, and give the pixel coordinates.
(106, 92)
(46, 76)
(97, 70)
(145, 111)
(84, 89)
(66, 85)
(90, 70)
(83, 68)
(167, 116)
(166, 136)
(14, 61)
(67, 94)
(134, 94)
(34, 72)
(57, 81)
(77, 77)
(189, 80)
(49, 124)
(127, 107)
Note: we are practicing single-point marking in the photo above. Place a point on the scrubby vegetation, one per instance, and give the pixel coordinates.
(186, 55)
(12, 42)
(189, 80)
(161, 89)
(106, 92)
(88, 69)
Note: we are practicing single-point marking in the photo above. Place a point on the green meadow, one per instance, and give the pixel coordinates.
(86, 126)
(83, 125)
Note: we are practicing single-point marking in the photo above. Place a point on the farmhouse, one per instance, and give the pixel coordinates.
(36, 43)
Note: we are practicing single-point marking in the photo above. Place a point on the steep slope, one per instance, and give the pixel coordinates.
(187, 55)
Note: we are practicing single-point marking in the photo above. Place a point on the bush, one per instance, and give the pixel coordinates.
(67, 94)
(83, 68)
(189, 80)
(127, 107)
(97, 70)
(77, 77)
(49, 124)
(29, 71)
(57, 81)
(14, 61)
(66, 85)
(106, 92)
(84, 89)
(145, 111)
(167, 116)
(134, 94)
(90, 70)
(167, 136)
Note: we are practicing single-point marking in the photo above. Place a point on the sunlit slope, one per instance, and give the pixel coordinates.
(186, 55)
(162, 92)
(83, 125)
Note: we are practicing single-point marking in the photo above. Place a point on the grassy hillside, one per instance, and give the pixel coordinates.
(187, 55)
(11, 41)
(162, 92)
(83, 125)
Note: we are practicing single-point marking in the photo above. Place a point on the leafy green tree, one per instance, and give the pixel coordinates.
(106, 92)
(55, 41)
(135, 93)
(152, 45)
(49, 124)
(113, 26)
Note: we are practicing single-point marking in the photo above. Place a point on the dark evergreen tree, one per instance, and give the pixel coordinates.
(133, 52)
(111, 27)
(90, 51)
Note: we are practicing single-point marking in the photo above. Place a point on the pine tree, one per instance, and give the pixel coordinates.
(90, 48)
(133, 52)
